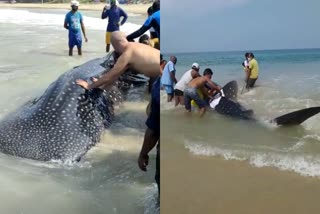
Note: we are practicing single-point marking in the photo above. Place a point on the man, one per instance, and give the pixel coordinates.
(183, 82)
(72, 22)
(114, 14)
(190, 93)
(168, 78)
(145, 39)
(245, 63)
(152, 134)
(252, 71)
(134, 56)
(146, 60)
(152, 21)
(153, 33)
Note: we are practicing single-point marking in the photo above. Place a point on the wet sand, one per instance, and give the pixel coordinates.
(199, 184)
(132, 8)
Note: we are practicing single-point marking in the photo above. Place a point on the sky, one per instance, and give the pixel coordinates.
(227, 25)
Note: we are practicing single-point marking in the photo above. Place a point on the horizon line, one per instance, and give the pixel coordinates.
(281, 49)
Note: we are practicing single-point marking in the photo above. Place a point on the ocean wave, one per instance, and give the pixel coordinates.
(49, 20)
(303, 164)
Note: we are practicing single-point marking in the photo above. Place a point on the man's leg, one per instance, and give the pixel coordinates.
(200, 102)
(79, 51)
(250, 83)
(169, 90)
(202, 111)
(71, 45)
(157, 175)
(108, 41)
(187, 101)
(176, 97)
(70, 51)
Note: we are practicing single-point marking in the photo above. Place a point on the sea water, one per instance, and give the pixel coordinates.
(288, 81)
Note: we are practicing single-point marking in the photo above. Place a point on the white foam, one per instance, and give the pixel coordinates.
(199, 149)
(49, 20)
(302, 164)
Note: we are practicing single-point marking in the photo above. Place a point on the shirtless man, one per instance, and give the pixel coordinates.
(134, 56)
(190, 93)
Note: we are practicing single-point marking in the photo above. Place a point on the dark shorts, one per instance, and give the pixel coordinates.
(191, 94)
(250, 83)
(177, 92)
(75, 39)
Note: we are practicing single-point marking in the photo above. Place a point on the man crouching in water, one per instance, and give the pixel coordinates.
(190, 93)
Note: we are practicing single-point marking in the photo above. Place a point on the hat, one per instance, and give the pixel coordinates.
(195, 65)
(74, 3)
(114, 2)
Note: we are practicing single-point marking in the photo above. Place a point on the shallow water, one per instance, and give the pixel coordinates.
(288, 81)
(33, 54)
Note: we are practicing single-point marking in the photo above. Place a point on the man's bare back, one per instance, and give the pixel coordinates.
(144, 59)
(198, 82)
(133, 56)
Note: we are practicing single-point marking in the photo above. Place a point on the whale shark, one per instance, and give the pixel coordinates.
(66, 120)
(229, 106)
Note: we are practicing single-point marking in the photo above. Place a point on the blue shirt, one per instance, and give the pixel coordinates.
(153, 21)
(153, 121)
(74, 21)
(114, 14)
(166, 78)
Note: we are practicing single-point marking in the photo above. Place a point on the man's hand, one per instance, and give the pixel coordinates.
(83, 84)
(85, 39)
(143, 162)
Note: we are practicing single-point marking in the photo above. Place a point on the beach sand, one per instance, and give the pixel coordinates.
(132, 8)
(199, 184)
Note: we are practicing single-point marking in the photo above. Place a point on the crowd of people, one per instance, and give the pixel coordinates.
(196, 90)
(142, 56)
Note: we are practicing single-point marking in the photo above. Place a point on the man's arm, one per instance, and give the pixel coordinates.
(105, 13)
(212, 85)
(125, 16)
(137, 33)
(248, 73)
(83, 31)
(205, 91)
(173, 77)
(66, 25)
(149, 142)
(171, 72)
(146, 26)
(108, 78)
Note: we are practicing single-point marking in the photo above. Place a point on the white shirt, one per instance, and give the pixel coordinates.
(246, 63)
(184, 81)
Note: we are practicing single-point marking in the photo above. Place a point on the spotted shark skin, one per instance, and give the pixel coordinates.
(66, 121)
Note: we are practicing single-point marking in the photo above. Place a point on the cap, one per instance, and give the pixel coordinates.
(74, 3)
(114, 2)
(195, 65)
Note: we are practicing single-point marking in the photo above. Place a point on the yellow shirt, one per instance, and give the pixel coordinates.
(254, 67)
(155, 43)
